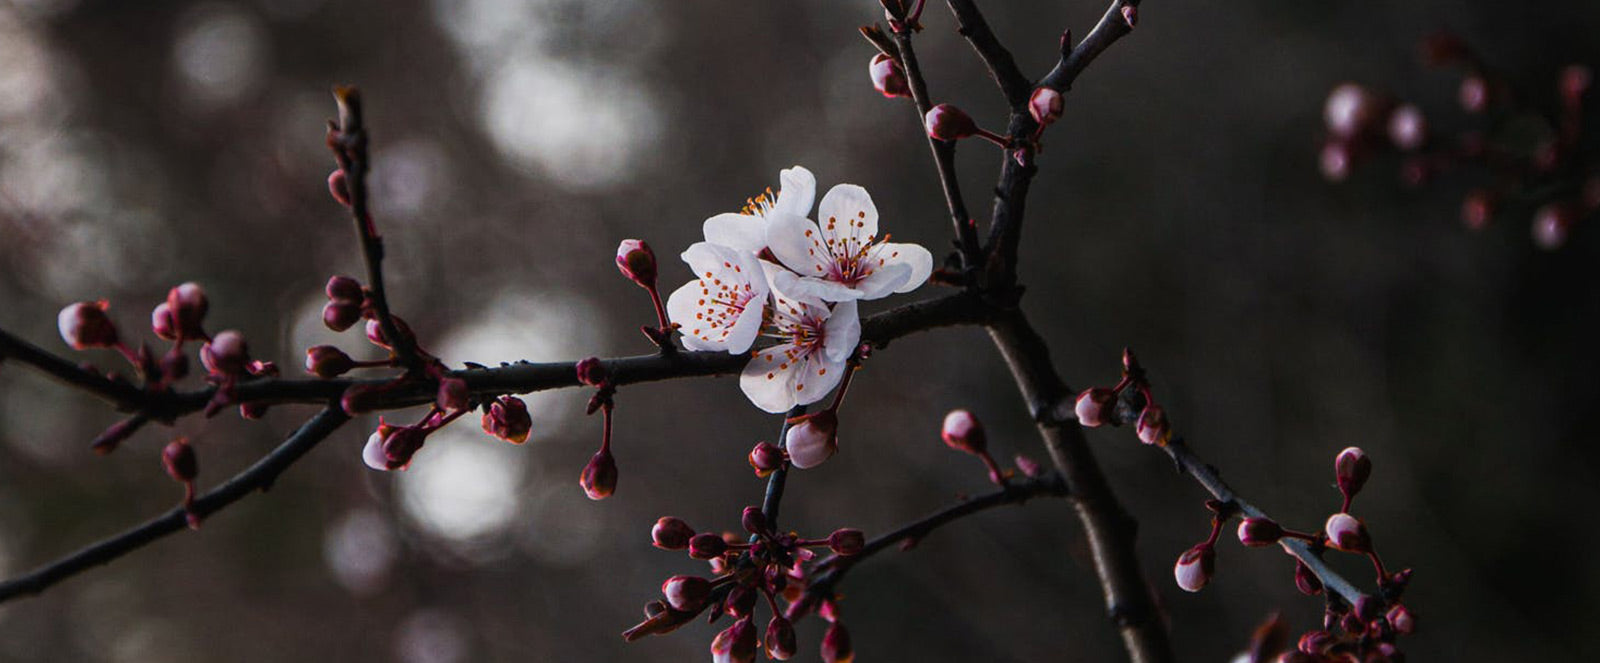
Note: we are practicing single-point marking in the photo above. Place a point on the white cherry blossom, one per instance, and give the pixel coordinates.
(843, 257)
(722, 308)
(809, 359)
(747, 230)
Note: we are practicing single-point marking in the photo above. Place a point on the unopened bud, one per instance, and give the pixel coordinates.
(1194, 567)
(1551, 225)
(1351, 469)
(1474, 94)
(780, 641)
(453, 395)
(344, 289)
(1350, 111)
(1407, 127)
(741, 600)
(1094, 407)
(376, 335)
(887, 77)
(1045, 106)
(188, 305)
(1346, 532)
(1401, 620)
(836, 647)
(1317, 642)
(686, 593)
(671, 533)
(766, 458)
(326, 361)
(1257, 532)
(1304, 580)
(1028, 466)
(372, 453)
(1152, 426)
(592, 372)
(813, 440)
(508, 419)
(637, 262)
(946, 122)
(179, 460)
(1477, 208)
(401, 444)
(340, 316)
(85, 325)
(1130, 15)
(706, 545)
(847, 542)
(735, 644)
(162, 324)
(599, 477)
(963, 432)
(753, 520)
(226, 354)
(339, 187)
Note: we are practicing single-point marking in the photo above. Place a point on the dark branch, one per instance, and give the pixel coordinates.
(780, 476)
(256, 477)
(124, 395)
(1112, 26)
(1001, 65)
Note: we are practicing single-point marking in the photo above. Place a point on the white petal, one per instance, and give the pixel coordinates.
(768, 380)
(797, 243)
(842, 332)
(918, 258)
(883, 280)
(847, 212)
(817, 376)
(787, 303)
(813, 288)
(747, 327)
(682, 306)
(372, 454)
(707, 260)
(738, 231)
(797, 190)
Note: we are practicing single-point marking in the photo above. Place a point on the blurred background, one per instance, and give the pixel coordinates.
(1179, 211)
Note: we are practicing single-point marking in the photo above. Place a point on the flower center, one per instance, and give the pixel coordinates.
(761, 204)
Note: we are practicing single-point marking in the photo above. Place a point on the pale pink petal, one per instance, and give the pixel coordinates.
(372, 453)
(848, 216)
(768, 380)
(797, 243)
(817, 376)
(913, 255)
(814, 288)
(842, 332)
(882, 280)
(738, 231)
(797, 190)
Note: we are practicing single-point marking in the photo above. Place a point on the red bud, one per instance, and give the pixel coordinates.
(671, 533)
(85, 325)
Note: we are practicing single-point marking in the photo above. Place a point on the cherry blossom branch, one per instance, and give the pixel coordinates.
(124, 395)
(259, 476)
(1013, 83)
(1112, 26)
(776, 482)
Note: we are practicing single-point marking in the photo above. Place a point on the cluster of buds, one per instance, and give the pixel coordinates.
(768, 566)
(1098, 406)
(1532, 155)
(391, 447)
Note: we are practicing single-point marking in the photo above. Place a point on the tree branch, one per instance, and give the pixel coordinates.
(256, 477)
(944, 157)
(1013, 83)
(122, 394)
(1112, 26)
(776, 482)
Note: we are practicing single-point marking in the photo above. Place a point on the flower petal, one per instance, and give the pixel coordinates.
(848, 215)
(797, 243)
(817, 375)
(768, 380)
(914, 255)
(797, 190)
(747, 327)
(738, 231)
(714, 311)
(842, 332)
(682, 308)
(814, 288)
(883, 280)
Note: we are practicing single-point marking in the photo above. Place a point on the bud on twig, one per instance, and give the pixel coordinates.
(1195, 567)
(85, 325)
(179, 460)
(1152, 426)
(780, 640)
(1258, 532)
(1045, 106)
(637, 262)
(592, 372)
(1094, 407)
(847, 542)
(340, 316)
(766, 458)
(836, 647)
(226, 354)
(963, 432)
(508, 419)
(735, 644)
(326, 362)
(1351, 469)
(344, 289)
(187, 305)
(599, 477)
(671, 533)
(813, 440)
(1347, 533)
(753, 520)
(1307, 582)
(707, 545)
(887, 76)
(686, 593)
(946, 122)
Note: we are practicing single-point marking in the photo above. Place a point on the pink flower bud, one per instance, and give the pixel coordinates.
(946, 122)
(706, 545)
(836, 647)
(179, 460)
(1346, 532)
(372, 453)
(344, 289)
(162, 324)
(735, 644)
(1401, 619)
(326, 361)
(453, 395)
(1334, 160)
(1258, 532)
(813, 440)
(599, 477)
(686, 593)
(1194, 567)
(1094, 407)
(1130, 15)
(1476, 209)
(1045, 106)
(1351, 469)
(1575, 80)
(753, 520)
(1152, 426)
(887, 77)
(508, 419)
(637, 262)
(1028, 466)
(1474, 94)
(1551, 225)
(188, 305)
(780, 641)
(226, 354)
(1317, 642)
(339, 187)
(592, 372)
(963, 432)
(340, 316)
(1304, 580)
(741, 600)
(847, 542)
(671, 533)
(401, 444)
(766, 458)
(85, 325)
(1407, 128)
(1350, 111)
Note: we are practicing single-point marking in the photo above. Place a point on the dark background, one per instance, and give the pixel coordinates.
(1179, 211)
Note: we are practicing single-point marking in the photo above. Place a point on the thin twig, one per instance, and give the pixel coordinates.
(256, 477)
(1013, 83)
(125, 396)
(775, 483)
(1112, 26)
(944, 157)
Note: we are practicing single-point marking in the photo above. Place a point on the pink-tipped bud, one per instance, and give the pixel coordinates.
(1350, 111)
(162, 324)
(85, 325)
(1317, 642)
(847, 542)
(753, 520)
(741, 600)
(1551, 225)
(706, 545)
(1401, 620)
(508, 419)
(344, 289)
(1575, 80)
(1046, 105)
(1194, 567)
(1130, 16)
(946, 122)
(887, 77)
(1334, 160)
(963, 432)
(686, 593)
(1029, 467)
(766, 458)
(780, 640)
(1351, 468)
(340, 316)
(326, 361)
(1407, 127)
(1346, 532)
(1474, 94)
(637, 262)
(1258, 532)
(372, 453)
(1152, 426)
(592, 372)
(188, 305)
(1304, 580)
(599, 477)
(813, 440)
(1477, 208)
(836, 647)
(226, 354)
(671, 533)
(339, 187)
(179, 460)
(401, 444)
(735, 644)
(1094, 407)
(453, 395)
